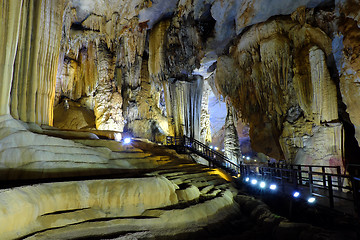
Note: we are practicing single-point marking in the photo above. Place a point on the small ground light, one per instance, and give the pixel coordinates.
(254, 181)
(211, 147)
(272, 186)
(216, 148)
(127, 140)
(311, 200)
(262, 184)
(296, 194)
(247, 158)
(247, 179)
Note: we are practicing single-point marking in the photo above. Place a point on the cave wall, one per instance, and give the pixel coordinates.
(286, 68)
(277, 76)
(347, 52)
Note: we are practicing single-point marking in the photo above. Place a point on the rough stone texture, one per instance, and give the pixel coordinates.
(10, 13)
(145, 199)
(277, 75)
(133, 63)
(71, 115)
(231, 139)
(348, 53)
(205, 128)
(35, 66)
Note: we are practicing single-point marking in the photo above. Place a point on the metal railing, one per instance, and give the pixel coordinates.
(195, 146)
(324, 181)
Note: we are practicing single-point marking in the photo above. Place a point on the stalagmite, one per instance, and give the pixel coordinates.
(108, 101)
(231, 139)
(205, 130)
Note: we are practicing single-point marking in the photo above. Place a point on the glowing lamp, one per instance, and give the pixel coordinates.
(254, 181)
(296, 194)
(127, 140)
(262, 184)
(311, 200)
(247, 158)
(273, 187)
(247, 179)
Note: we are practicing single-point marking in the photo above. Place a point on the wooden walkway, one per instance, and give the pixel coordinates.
(326, 184)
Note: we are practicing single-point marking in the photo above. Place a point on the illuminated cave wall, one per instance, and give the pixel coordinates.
(290, 70)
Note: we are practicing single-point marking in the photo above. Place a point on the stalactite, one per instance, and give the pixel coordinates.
(324, 100)
(108, 102)
(270, 64)
(156, 49)
(183, 100)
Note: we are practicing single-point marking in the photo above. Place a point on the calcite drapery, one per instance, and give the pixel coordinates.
(9, 36)
(270, 64)
(348, 53)
(30, 68)
(231, 139)
(205, 129)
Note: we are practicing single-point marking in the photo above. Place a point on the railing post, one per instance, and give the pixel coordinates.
(310, 179)
(282, 180)
(338, 170)
(356, 188)
(331, 193)
(295, 181)
(300, 175)
(323, 177)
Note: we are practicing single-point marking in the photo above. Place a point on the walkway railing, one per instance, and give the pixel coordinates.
(322, 181)
(195, 146)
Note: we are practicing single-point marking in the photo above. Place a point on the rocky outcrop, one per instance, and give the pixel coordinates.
(279, 78)
(163, 195)
(346, 52)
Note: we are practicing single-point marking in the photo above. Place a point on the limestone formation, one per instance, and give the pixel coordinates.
(76, 75)
(205, 129)
(134, 201)
(284, 88)
(231, 139)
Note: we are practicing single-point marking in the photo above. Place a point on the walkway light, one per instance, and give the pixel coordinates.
(247, 158)
(216, 148)
(211, 147)
(247, 179)
(311, 200)
(262, 184)
(273, 187)
(254, 181)
(296, 194)
(127, 140)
